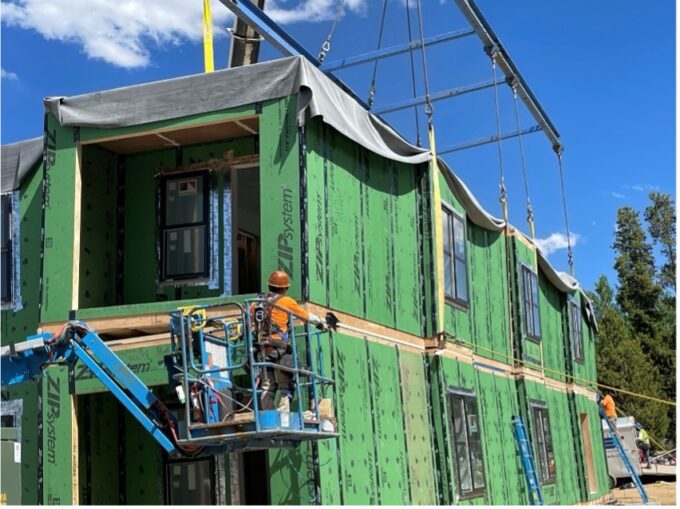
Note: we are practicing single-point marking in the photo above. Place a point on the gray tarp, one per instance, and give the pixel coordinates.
(203, 93)
(17, 160)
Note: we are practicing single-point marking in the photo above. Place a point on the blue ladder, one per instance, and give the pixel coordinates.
(535, 496)
(624, 457)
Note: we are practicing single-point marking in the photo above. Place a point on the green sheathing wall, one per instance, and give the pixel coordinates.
(60, 165)
(98, 443)
(143, 466)
(585, 372)
(497, 403)
(529, 351)
(280, 192)
(57, 453)
(97, 283)
(458, 321)
(567, 489)
(588, 406)
(27, 392)
(553, 309)
(16, 325)
(147, 363)
(419, 439)
(362, 231)
(142, 270)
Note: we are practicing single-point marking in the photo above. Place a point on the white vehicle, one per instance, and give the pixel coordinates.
(627, 435)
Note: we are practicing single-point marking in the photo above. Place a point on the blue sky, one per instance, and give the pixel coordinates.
(604, 72)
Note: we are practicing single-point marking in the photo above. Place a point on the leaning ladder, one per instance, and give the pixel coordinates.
(624, 457)
(535, 496)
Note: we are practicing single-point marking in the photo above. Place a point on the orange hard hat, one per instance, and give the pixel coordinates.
(278, 279)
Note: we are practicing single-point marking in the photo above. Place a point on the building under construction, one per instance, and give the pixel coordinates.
(189, 192)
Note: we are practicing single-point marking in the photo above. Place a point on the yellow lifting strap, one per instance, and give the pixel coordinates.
(438, 231)
(198, 316)
(208, 57)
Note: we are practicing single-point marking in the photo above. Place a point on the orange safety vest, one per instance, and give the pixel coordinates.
(278, 318)
(609, 406)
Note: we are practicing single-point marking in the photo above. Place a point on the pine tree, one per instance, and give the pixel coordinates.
(621, 363)
(660, 218)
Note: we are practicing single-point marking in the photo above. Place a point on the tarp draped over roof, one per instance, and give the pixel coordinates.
(205, 93)
(318, 96)
(17, 160)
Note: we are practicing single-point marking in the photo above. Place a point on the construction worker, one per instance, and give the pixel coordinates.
(274, 334)
(609, 408)
(642, 441)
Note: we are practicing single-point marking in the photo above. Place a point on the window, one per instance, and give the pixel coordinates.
(543, 449)
(467, 444)
(575, 330)
(532, 318)
(184, 227)
(455, 257)
(190, 482)
(6, 248)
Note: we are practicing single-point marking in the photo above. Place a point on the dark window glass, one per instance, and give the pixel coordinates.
(467, 444)
(543, 449)
(6, 248)
(185, 233)
(455, 257)
(575, 330)
(532, 316)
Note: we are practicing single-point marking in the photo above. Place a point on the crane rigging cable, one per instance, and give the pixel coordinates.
(326, 46)
(570, 253)
(371, 89)
(530, 210)
(503, 198)
(413, 73)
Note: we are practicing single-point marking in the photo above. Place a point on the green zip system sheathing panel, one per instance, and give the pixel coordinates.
(362, 231)
(143, 466)
(531, 350)
(60, 185)
(147, 363)
(17, 325)
(419, 439)
(27, 393)
(585, 405)
(98, 447)
(280, 192)
(552, 309)
(97, 282)
(57, 441)
(497, 404)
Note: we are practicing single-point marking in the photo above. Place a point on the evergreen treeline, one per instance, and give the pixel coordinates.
(636, 340)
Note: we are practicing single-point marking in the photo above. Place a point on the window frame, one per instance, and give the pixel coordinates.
(455, 215)
(528, 302)
(164, 228)
(8, 278)
(466, 397)
(575, 330)
(540, 409)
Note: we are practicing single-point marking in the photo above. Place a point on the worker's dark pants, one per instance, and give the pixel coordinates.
(645, 450)
(273, 379)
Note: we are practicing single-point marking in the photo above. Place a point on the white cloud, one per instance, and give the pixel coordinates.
(123, 33)
(556, 241)
(618, 196)
(637, 188)
(6, 75)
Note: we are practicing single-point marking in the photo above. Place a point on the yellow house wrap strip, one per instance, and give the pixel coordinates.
(208, 57)
(438, 234)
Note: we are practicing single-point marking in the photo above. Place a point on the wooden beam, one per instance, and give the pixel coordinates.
(77, 216)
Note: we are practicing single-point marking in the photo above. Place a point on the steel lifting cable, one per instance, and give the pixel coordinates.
(570, 253)
(371, 89)
(428, 103)
(530, 210)
(503, 192)
(413, 73)
(326, 46)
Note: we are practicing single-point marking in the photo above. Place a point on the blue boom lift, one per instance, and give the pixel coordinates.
(214, 368)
